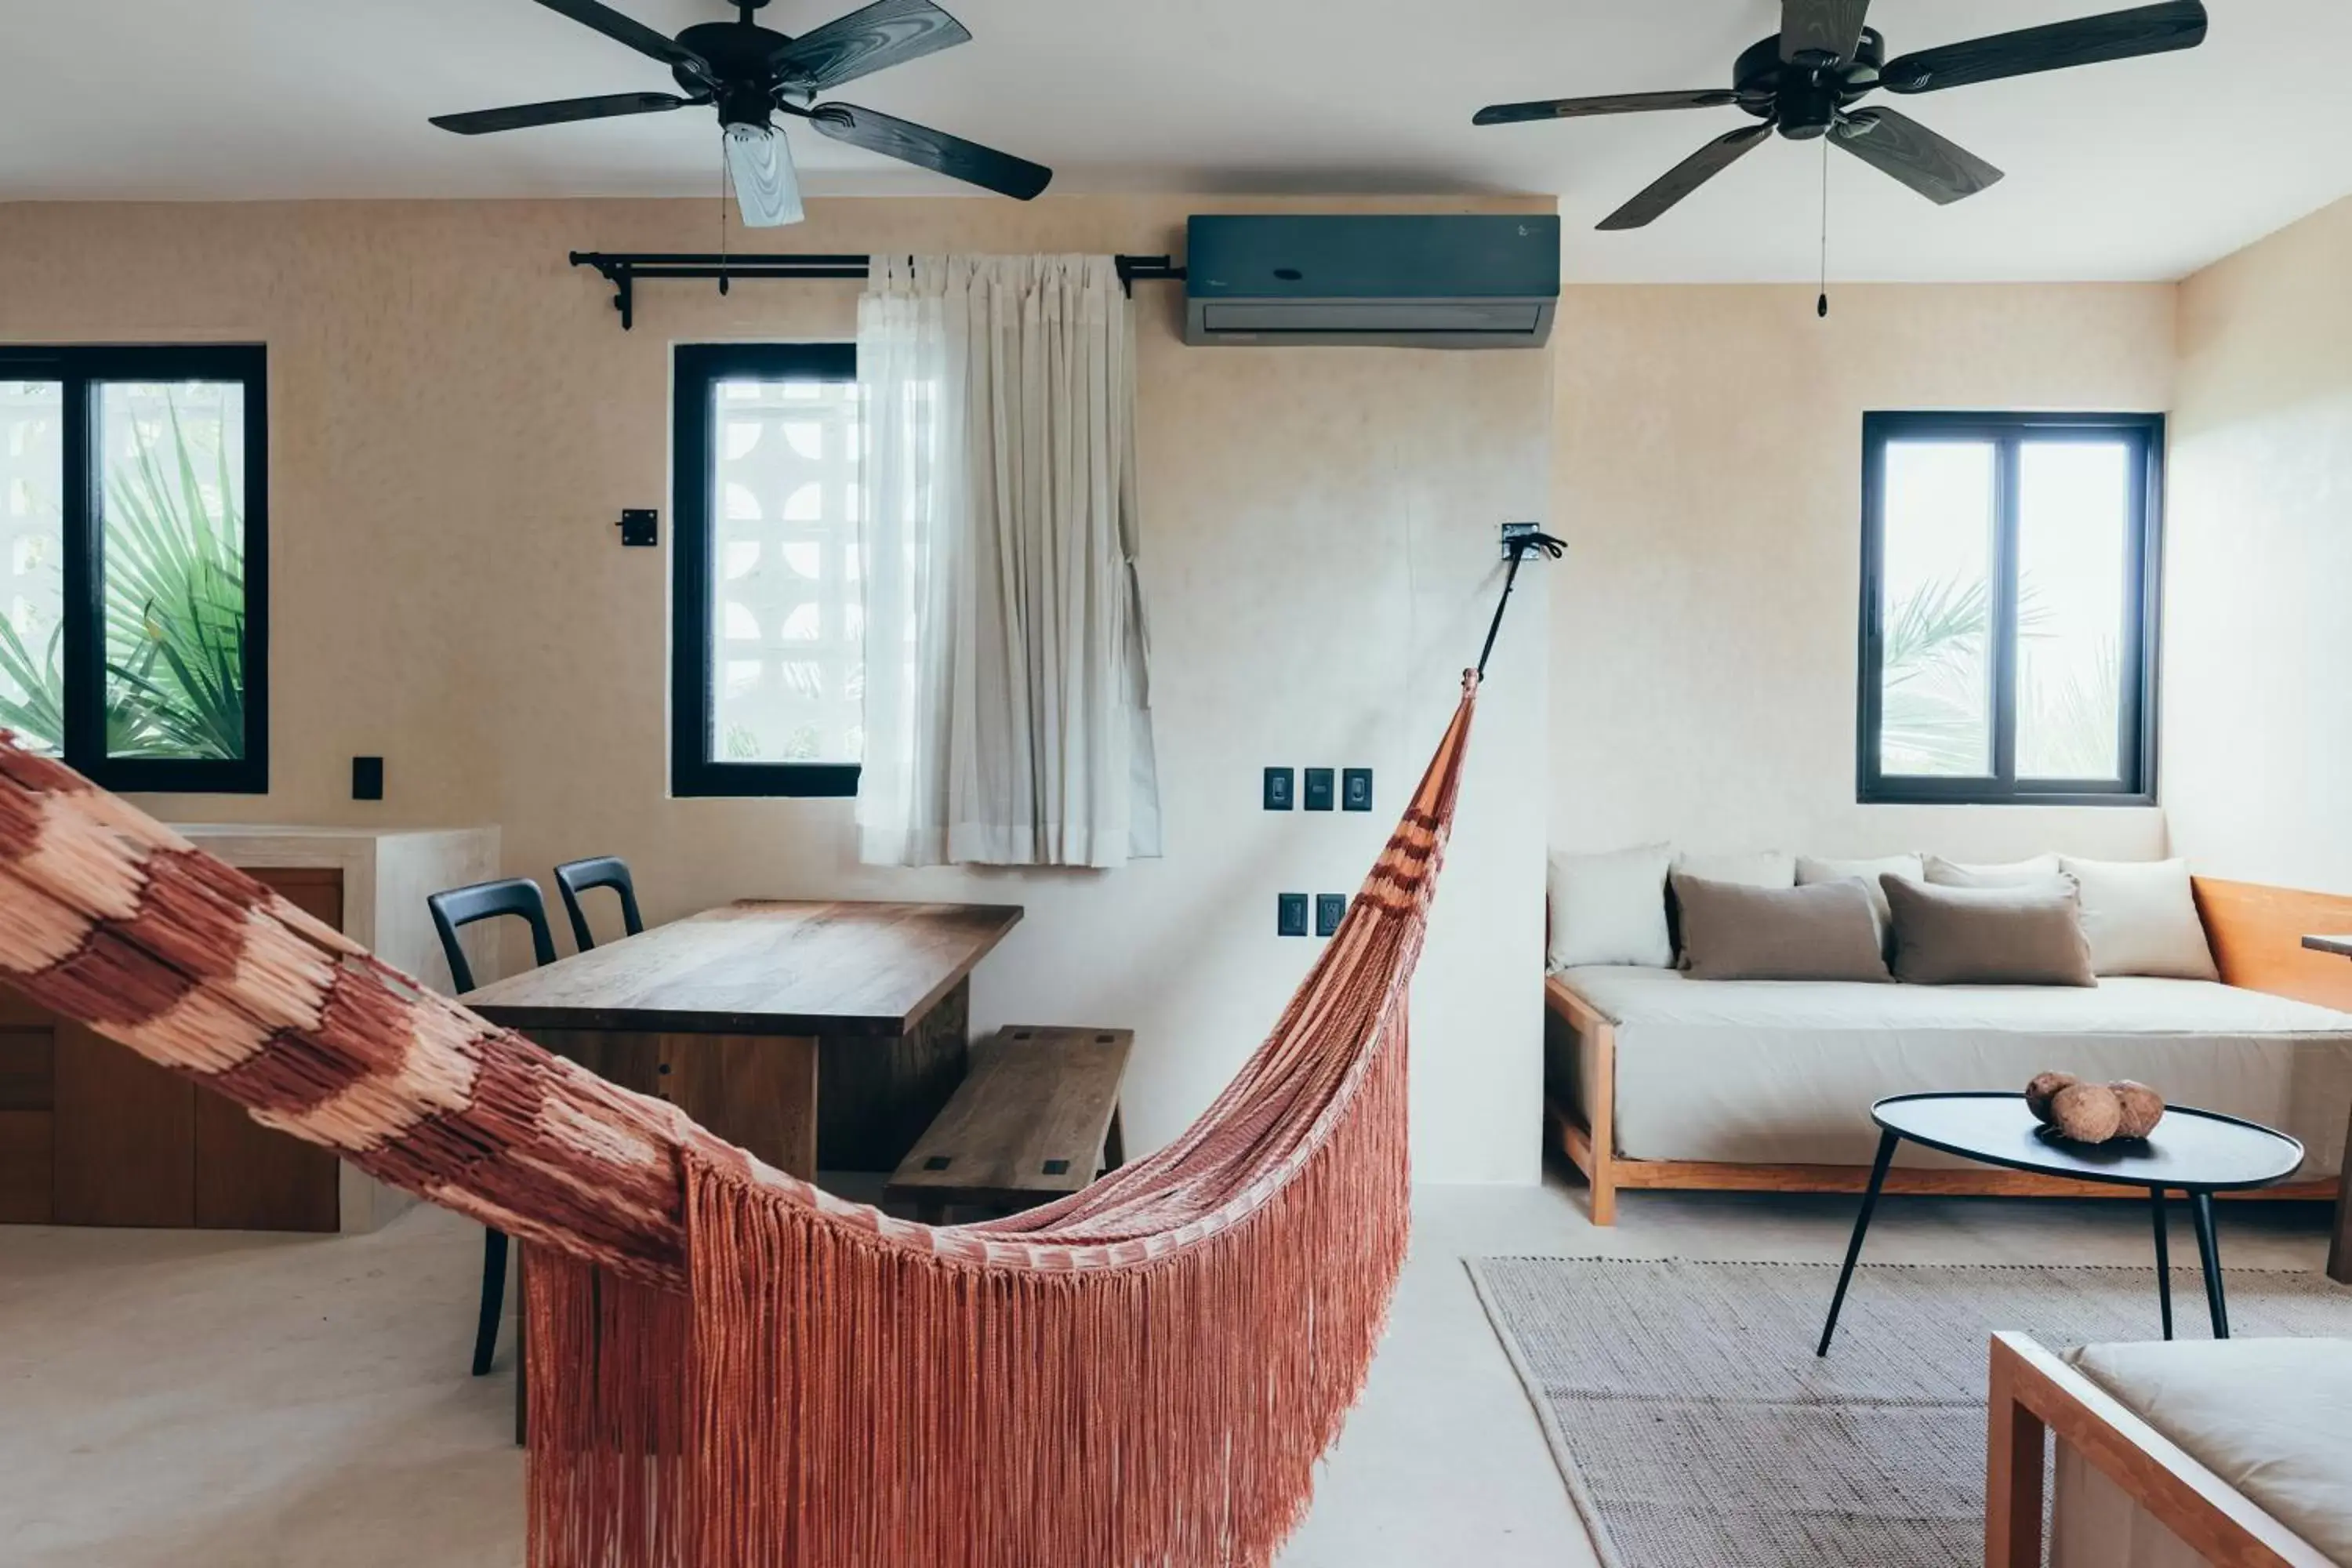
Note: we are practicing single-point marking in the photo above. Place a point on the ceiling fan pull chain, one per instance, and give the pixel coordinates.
(723, 211)
(1822, 305)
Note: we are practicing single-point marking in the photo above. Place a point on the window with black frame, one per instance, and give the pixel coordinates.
(2008, 582)
(766, 624)
(134, 561)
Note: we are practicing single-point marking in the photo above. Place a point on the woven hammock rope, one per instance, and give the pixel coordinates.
(732, 1369)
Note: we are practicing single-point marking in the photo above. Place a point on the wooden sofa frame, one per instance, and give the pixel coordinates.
(2257, 934)
(2033, 1394)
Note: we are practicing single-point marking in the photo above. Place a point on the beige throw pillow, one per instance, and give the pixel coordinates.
(1988, 936)
(1946, 873)
(1611, 909)
(2141, 918)
(1732, 932)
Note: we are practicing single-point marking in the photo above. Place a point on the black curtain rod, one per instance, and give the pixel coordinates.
(622, 270)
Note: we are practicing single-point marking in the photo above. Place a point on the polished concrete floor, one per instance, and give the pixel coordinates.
(227, 1401)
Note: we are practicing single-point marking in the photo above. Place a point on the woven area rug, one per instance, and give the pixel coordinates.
(1696, 1429)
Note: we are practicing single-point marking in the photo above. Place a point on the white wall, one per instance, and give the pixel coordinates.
(2258, 652)
(457, 418)
(1708, 477)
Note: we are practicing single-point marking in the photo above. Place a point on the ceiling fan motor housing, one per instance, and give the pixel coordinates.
(740, 54)
(1803, 101)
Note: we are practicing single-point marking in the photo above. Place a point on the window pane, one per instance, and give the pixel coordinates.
(788, 656)
(32, 555)
(171, 506)
(1936, 610)
(2073, 540)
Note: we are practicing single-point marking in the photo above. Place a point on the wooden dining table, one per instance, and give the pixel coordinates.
(811, 1033)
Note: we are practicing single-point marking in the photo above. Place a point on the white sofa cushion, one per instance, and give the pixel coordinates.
(2141, 918)
(2266, 1416)
(1611, 909)
(1763, 1071)
(1946, 873)
(1760, 868)
(1811, 868)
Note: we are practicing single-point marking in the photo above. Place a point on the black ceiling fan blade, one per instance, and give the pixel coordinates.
(886, 33)
(1818, 32)
(630, 31)
(1896, 144)
(1615, 103)
(935, 149)
(2086, 41)
(1685, 177)
(562, 111)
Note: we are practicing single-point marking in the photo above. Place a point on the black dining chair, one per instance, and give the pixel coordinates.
(458, 907)
(574, 877)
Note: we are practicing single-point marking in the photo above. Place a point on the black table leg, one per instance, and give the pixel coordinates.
(2163, 1258)
(1887, 1142)
(2209, 1252)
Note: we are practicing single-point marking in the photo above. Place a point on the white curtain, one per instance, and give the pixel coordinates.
(1008, 717)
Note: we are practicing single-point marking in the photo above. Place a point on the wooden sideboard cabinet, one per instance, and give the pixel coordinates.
(92, 1133)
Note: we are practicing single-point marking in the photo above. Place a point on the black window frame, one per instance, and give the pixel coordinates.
(696, 369)
(83, 368)
(2137, 713)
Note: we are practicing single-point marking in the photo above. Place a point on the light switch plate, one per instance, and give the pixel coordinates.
(1356, 789)
(1290, 914)
(1330, 908)
(1280, 791)
(1319, 789)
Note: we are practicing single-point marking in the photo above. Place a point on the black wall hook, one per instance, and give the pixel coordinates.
(1521, 546)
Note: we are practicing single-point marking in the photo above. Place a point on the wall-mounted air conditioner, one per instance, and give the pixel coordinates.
(1437, 282)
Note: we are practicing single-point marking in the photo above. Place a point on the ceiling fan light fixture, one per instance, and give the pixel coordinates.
(767, 186)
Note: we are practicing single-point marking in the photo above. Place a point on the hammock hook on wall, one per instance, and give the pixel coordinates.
(1519, 539)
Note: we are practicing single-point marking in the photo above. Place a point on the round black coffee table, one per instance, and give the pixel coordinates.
(2200, 1153)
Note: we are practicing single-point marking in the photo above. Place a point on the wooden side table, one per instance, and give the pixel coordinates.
(2340, 1250)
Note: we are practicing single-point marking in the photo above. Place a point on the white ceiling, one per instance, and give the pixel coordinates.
(2143, 169)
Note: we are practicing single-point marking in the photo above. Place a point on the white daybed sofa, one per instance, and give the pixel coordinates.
(1656, 1080)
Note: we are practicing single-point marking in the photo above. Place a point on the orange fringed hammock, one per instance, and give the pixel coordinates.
(734, 1369)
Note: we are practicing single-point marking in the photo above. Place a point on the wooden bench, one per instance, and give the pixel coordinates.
(1036, 1119)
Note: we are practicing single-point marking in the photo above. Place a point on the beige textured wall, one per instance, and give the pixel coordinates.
(2258, 654)
(1708, 475)
(457, 418)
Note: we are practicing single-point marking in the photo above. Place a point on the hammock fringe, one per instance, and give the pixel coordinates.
(934, 1413)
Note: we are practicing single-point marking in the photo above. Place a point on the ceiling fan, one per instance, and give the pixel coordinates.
(752, 73)
(1805, 82)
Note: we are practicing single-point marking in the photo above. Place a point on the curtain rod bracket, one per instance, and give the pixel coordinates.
(618, 273)
(623, 270)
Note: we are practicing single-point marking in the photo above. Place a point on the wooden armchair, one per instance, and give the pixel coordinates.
(2033, 1392)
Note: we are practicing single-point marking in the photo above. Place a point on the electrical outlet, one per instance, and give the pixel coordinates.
(1356, 789)
(1330, 908)
(1517, 531)
(1290, 914)
(1280, 792)
(1319, 789)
